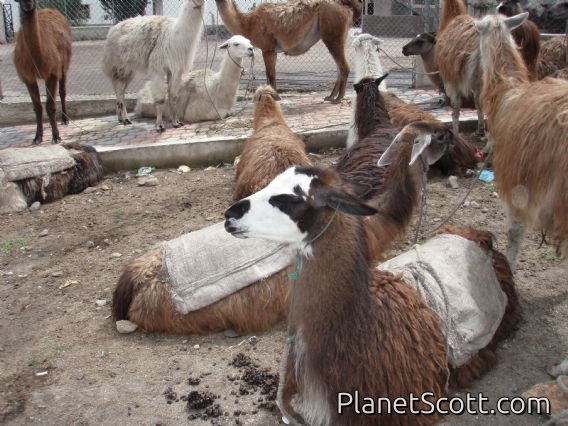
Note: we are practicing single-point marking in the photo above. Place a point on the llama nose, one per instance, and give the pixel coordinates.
(237, 210)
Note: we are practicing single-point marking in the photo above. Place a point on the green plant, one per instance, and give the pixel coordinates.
(75, 12)
(7, 246)
(49, 353)
(119, 10)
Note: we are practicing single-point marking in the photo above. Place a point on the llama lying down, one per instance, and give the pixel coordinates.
(357, 328)
(205, 94)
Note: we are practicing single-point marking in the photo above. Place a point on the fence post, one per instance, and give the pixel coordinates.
(158, 7)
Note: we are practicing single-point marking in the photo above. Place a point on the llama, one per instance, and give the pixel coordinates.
(458, 40)
(425, 45)
(531, 180)
(366, 64)
(293, 28)
(164, 47)
(271, 148)
(43, 51)
(353, 328)
(204, 94)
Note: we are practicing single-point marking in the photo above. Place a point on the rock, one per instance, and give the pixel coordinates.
(466, 203)
(90, 244)
(560, 369)
(484, 210)
(105, 188)
(35, 206)
(184, 169)
(44, 233)
(107, 241)
(89, 190)
(453, 182)
(237, 159)
(230, 333)
(117, 255)
(196, 347)
(125, 326)
(57, 274)
(495, 194)
(475, 205)
(148, 181)
(208, 169)
(100, 302)
(210, 218)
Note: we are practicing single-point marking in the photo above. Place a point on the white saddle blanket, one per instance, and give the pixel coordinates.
(25, 163)
(207, 265)
(457, 280)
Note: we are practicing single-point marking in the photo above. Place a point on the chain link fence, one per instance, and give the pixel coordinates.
(395, 21)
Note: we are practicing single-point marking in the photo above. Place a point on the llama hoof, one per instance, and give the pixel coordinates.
(37, 140)
(56, 140)
(65, 121)
(178, 124)
(125, 121)
(160, 128)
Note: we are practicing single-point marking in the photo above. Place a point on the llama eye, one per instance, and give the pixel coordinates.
(237, 44)
(287, 203)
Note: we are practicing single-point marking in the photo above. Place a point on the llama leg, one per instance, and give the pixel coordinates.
(480, 118)
(33, 90)
(159, 94)
(515, 234)
(51, 107)
(62, 96)
(269, 58)
(456, 105)
(120, 90)
(288, 387)
(335, 43)
(174, 84)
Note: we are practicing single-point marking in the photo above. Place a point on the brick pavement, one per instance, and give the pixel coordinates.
(304, 112)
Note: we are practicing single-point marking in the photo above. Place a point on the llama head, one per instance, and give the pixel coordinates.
(559, 10)
(359, 86)
(429, 140)
(197, 4)
(499, 24)
(28, 5)
(290, 209)
(365, 42)
(263, 91)
(509, 7)
(238, 47)
(420, 45)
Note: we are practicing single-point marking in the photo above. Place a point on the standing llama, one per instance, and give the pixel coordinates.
(43, 51)
(354, 328)
(293, 28)
(164, 47)
(530, 143)
(205, 94)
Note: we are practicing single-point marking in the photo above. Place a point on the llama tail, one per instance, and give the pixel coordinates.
(355, 5)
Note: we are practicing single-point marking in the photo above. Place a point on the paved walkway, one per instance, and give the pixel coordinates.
(304, 112)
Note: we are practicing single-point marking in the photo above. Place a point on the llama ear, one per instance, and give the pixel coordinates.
(481, 26)
(514, 21)
(421, 142)
(346, 203)
(224, 45)
(388, 155)
(381, 78)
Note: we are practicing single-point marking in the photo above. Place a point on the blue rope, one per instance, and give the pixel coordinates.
(296, 274)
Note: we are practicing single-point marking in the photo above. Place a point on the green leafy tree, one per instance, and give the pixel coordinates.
(119, 10)
(75, 12)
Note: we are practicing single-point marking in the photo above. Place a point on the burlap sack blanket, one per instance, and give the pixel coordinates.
(25, 163)
(207, 265)
(456, 278)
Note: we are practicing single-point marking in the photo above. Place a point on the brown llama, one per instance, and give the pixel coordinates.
(271, 148)
(293, 28)
(43, 51)
(458, 40)
(353, 327)
(530, 179)
(461, 157)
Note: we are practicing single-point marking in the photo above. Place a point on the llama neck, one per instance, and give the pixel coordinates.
(231, 16)
(189, 24)
(396, 202)
(230, 71)
(267, 111)
(332, 289)
(369, 65)
(30, 29)
(370, 113)
(502, 69)
(450, 9)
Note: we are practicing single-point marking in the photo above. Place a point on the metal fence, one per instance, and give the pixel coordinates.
(395, 21)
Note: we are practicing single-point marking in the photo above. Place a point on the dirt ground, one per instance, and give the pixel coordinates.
(63, 362)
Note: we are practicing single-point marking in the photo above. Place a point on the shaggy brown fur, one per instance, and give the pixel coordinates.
(458, 40)
(553, 56)
(460, 158)
(43, 51)
(530, 142)
(358, 328)
(143, 298)
(271, 148)
(293, 27)
(88, 171)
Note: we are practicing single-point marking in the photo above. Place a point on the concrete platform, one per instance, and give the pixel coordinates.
(319, 123)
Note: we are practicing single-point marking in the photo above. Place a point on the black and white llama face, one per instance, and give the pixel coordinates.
(290, 208)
